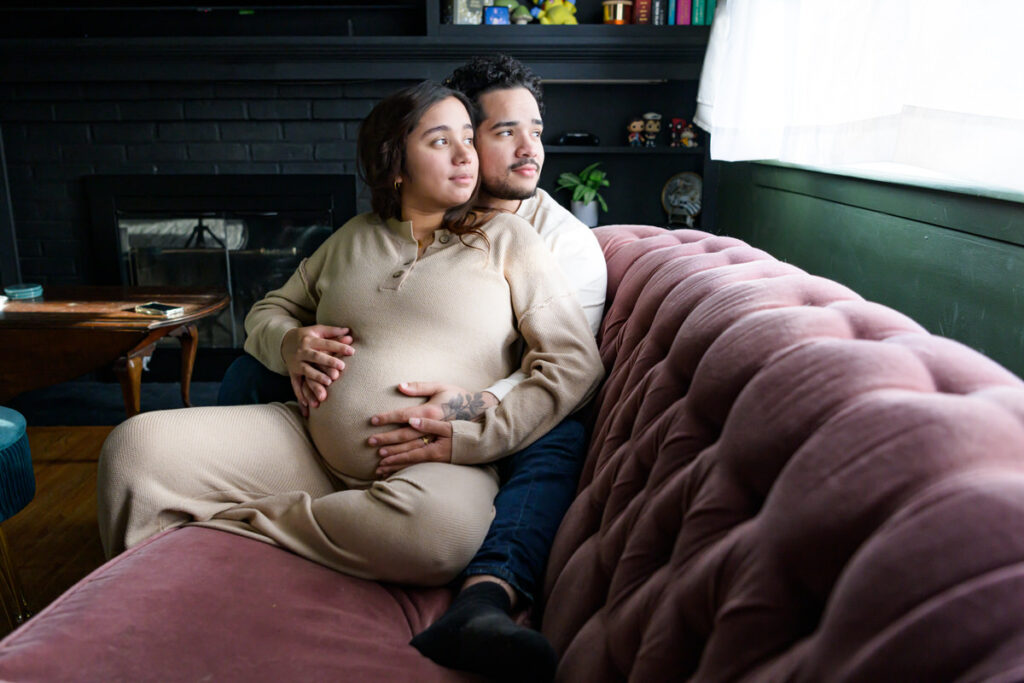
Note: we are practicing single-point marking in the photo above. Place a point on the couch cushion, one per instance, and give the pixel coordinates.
(786, 482)
(198, 604)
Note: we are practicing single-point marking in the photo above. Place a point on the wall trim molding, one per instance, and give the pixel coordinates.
(983, 216)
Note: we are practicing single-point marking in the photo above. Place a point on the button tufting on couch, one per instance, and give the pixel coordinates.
(784, 482)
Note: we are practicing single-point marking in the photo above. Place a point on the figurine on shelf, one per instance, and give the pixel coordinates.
(675, 131)
(652, 126)
(556, 12)
(688, 136)
(497, 16)
(518, 12)
(636, 132)
(521, 15)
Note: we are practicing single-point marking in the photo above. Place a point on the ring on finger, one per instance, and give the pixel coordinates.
(426, 440)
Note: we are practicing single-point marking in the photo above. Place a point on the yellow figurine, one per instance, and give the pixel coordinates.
(557, 12)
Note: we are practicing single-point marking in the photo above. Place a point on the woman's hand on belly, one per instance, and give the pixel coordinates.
(434, 444)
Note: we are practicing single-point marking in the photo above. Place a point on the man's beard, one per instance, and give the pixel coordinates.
(504, 190)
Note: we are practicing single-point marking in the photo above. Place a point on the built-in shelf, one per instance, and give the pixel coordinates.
(622, 149)
(632, 33)
(586, 52)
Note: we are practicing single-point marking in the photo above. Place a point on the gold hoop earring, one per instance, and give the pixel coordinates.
(398, 185)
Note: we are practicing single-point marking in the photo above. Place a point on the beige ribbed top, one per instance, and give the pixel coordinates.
(454, 315)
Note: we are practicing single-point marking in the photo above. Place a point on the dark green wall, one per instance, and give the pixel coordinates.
(951, 261)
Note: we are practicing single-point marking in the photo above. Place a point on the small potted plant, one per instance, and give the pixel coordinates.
(585, 195)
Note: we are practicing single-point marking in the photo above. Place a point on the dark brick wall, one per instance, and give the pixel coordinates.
(57, 133)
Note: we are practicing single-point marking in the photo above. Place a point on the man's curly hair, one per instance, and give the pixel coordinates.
(483, 74)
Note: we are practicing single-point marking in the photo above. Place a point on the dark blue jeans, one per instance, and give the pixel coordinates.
(248, 381)
(537, 484)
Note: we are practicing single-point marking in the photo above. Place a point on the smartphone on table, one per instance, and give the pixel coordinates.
(160, 310)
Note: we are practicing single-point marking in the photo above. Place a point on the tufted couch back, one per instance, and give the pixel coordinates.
(786, 482)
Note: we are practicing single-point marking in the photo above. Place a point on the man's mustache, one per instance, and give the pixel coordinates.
(524, 162)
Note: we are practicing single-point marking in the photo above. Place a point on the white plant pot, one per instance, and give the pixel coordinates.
(587, 213)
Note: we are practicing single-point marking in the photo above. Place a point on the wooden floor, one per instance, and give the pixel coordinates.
(55, 540)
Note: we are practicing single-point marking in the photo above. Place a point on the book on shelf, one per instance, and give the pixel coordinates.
(683, 12)
(658, 12)
(702, 12)
(641, 11)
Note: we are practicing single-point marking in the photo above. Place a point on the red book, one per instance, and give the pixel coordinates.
(683, 10)
(641, 11)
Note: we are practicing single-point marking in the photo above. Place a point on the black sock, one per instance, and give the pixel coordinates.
(477, 634)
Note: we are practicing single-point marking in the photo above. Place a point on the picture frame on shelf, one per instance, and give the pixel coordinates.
(467, 12)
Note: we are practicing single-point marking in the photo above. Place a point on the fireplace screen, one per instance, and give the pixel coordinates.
(243, 234)
(245, 254)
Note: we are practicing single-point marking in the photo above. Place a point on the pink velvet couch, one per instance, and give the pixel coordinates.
(785, 483)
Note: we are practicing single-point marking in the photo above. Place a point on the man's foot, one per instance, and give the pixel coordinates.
(477, 634)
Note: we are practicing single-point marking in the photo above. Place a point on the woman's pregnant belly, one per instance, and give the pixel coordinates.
(340, 426)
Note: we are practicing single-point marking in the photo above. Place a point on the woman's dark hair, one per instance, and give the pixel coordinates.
(484, 74)
(380, 152)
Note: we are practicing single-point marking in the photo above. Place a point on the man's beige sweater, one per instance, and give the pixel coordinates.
(454, 315)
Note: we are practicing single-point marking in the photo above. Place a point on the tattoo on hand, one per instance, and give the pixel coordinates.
(464, 406)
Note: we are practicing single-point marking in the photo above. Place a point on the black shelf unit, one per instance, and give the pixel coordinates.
(171, 18)
(596, 76)
(625, 149)
(318, 39)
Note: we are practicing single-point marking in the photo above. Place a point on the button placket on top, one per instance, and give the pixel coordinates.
(401, 267)
(408, 256)
(404, 259)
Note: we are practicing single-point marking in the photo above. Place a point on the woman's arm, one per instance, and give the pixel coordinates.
(283, 335)
(287, 308)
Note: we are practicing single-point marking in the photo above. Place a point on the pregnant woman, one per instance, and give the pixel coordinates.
(425, 287)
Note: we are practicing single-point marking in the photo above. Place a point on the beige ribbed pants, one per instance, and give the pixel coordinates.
(253, 470)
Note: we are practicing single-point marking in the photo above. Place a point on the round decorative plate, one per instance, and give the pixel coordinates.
(681, 197)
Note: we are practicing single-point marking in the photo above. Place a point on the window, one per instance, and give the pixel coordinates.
(931, 90)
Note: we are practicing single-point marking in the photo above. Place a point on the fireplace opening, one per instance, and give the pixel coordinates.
(243, 234)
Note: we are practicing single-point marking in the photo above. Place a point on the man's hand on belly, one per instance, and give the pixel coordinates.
(406, 445)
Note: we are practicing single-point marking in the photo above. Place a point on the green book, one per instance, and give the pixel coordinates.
(709, 11)
(697, 17)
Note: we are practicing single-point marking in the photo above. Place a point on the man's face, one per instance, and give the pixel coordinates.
(509, 145)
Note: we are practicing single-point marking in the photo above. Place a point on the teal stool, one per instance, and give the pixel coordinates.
(17, 487)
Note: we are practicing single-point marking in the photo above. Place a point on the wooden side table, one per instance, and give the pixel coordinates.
(75, 329)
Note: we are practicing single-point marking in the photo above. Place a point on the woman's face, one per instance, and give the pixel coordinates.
(440, 160)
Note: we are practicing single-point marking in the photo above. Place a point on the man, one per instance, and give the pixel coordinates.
(477, 633)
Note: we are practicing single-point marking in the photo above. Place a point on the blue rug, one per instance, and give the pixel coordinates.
(82, 402)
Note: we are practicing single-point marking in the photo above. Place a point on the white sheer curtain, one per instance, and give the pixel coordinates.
(934, 85)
